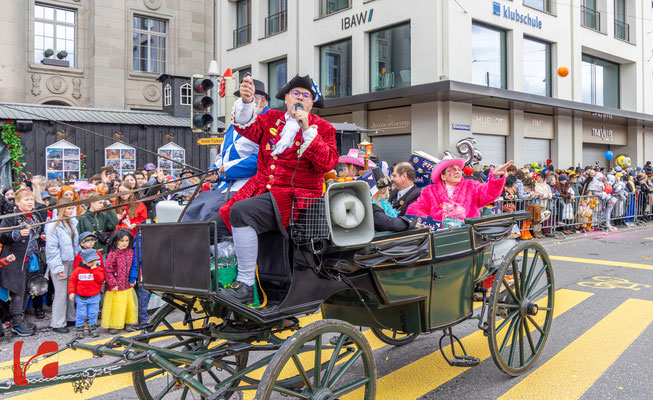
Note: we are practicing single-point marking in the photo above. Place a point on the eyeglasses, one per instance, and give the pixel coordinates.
(453, 170)
(303, 95)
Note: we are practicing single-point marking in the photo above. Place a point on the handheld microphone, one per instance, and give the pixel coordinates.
(299, 106)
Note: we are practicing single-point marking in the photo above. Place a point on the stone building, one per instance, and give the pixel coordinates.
(105, 53)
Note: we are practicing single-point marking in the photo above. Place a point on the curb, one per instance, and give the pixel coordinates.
(580, 236)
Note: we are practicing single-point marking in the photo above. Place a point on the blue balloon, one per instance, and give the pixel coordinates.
(609, 155)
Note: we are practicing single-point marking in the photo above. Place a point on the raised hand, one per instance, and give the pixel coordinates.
(247, 89)
(499, 172)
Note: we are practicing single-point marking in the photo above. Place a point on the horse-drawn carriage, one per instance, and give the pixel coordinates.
(400, 285)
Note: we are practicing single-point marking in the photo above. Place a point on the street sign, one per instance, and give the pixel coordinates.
(210, 141)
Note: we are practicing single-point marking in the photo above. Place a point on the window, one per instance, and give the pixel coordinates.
(62, 161)
(590, 18)
(149, 50)
(185, 94)
(243, 31)
(600, 82)
(543, 5)
(621, 28)
(173, 152)
(277, 78)
(335, 69)
(537, 67)
(121, 157)
(54, 28)
(332, 6)
(167, 95)
(240, 74)
(390, 58)
(488, 56)
(277, 17)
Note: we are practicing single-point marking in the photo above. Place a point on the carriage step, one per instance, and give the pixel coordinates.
(464, 361)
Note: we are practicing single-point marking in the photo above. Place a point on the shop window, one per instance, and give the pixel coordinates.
(277, 78)
(171, 151)
(149, 44)
(335, 69)
(390, 58)
(121, 157)
(537, 67)
(543, 5)
(62, 161)
(600, 82)
(54, 29)
(488, 56)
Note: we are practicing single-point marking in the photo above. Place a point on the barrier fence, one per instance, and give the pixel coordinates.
(558, 217)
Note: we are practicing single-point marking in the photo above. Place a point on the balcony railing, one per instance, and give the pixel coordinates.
(242, 35)
(590, 18)
(621, 30)
(276, 23)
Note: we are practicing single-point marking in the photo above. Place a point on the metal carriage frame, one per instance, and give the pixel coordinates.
(400, 285)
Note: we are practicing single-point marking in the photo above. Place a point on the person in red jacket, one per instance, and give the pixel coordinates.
(84, 287)
(133, 213)
(296, 149)
(86, 241)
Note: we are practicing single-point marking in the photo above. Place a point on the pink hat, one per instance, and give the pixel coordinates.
(353, 158)
(444, 164)
(84, 186)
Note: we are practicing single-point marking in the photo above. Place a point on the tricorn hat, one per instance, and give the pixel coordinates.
(303, 82)
(259, 88)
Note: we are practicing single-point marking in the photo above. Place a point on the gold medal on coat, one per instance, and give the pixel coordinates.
(401, 202)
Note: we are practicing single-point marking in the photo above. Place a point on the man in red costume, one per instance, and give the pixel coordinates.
(296, 148)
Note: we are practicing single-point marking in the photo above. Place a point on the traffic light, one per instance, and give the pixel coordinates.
(200, 115)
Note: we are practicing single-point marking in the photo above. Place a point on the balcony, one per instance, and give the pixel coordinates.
(590, 18)
(621, 30)
(276, 23)
(242, 35)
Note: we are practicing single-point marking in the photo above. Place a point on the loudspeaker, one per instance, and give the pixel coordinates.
(349, 213)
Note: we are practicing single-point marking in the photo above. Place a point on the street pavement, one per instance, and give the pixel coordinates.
(599, 347)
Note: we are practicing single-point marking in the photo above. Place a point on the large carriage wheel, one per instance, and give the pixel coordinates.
(521, 308)
(146, 385)
(393, 337)
(342, 368)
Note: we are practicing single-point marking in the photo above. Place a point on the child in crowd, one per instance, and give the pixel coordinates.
(137, 277)
(87, 240)
(120, 303)
(84, 287)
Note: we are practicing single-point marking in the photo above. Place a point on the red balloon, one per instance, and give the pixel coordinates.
(563, 71)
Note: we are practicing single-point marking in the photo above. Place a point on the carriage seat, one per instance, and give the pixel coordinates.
(496, 227)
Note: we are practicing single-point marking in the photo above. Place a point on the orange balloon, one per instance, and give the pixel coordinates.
(563, 71)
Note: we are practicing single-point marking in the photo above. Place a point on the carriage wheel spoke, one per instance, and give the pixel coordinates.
(165, 391)
(344, 369)
(521, 344)
(332, 361)
(536, 279)
(318, 361)
(532, 268)
(512, 344)
(184, 393)
(504, 305)
(529, 336)
(505, 321)
(539, 292)
(302, 372)
(212, 375)
(169, 326)
(509, 290)
(352, 386)
(535, 324)
(505, 339)
(289, 392)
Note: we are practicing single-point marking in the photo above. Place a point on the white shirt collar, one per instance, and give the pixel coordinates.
(401, 193)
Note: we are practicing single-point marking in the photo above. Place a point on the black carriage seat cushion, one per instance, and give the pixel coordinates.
(494, 230)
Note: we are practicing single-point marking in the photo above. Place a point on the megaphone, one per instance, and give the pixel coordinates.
(349, 213)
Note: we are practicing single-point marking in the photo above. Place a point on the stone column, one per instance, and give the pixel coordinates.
(515, 141)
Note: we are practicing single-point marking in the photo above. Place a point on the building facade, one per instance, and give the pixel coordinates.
(102, 54)
(529, 79)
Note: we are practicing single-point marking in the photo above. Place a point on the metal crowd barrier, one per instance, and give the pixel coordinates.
(583, 213)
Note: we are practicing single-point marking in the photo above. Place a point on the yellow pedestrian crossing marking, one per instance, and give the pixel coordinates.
(426, 374)
(602, 262)
(575, 369)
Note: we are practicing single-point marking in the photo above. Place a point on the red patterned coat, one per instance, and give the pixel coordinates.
(274, 173)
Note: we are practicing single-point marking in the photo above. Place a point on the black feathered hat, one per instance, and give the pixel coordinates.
(259, 88)
(303, 82)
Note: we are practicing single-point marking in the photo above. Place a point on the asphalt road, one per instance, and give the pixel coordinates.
(599, 347)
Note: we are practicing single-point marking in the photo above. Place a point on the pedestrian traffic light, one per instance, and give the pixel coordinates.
(200, 116)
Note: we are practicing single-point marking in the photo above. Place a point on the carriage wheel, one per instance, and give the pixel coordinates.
(521, 308)
(342, 368)
(158, 384)
(393, 337)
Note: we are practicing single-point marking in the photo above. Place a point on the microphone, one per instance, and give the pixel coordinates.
(299, 106)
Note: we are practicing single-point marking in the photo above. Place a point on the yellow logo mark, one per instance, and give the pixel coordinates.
(607, 282)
